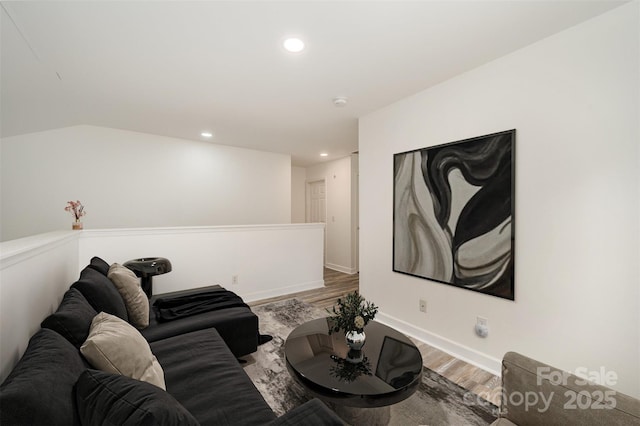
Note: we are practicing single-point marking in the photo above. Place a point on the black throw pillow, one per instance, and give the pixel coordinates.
(111, 399)
(99, 265)
(100, 292)
(39, 390)
(72, 319)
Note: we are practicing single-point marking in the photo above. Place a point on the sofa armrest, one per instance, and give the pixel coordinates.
(536, 393)
(311, 413)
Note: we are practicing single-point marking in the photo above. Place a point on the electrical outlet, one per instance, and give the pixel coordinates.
(423, 306)
(482, 327)
(234, 279)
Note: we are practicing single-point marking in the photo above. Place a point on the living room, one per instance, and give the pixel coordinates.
(572, 97)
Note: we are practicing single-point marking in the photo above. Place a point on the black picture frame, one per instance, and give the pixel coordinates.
(454, 213)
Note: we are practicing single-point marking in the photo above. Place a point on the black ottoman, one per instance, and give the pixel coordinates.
(237, 326)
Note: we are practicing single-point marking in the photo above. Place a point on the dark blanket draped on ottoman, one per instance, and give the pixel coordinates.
(171, 308)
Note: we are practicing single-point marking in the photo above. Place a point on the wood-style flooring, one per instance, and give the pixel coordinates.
(470, 377)
(336, 285)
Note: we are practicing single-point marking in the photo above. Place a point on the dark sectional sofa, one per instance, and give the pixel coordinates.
(53, 384)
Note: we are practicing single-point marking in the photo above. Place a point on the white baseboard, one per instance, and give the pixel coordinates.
(340, 268)
(462, 352)
(281, 291)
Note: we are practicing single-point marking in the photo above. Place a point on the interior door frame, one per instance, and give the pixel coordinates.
(307, 199)
(307, 211)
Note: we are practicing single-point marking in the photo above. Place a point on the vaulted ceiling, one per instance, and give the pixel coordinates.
(177, 68)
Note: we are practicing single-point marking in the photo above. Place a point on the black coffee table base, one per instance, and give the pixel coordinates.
(373, 416)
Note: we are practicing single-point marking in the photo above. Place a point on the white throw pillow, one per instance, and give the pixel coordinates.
(135, 299)
(116, 347)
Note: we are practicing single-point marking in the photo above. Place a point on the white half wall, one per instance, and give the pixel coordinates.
(127, 179)
(34, 274)
(268, 260)
(574, 100)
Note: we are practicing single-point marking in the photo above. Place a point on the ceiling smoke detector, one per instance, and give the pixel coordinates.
(340, 101)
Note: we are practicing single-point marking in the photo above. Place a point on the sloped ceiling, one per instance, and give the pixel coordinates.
(177, 68)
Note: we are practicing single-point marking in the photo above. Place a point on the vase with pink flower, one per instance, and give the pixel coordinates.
(77, 210)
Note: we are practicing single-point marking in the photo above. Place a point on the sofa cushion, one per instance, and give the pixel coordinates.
(100, 293)
(115, 346)
(205, 377)
(111, 399)
(135, 300)
(72, 319)
(39, 390)
(99, 265)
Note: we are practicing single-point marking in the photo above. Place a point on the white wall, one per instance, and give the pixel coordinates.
(298, 193)
(573, 99)
(128, 179)
(339, 233)
(34, 274)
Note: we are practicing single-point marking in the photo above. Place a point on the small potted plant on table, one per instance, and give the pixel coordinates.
(351, 314)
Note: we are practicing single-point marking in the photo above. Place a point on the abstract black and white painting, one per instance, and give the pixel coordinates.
(453, 213)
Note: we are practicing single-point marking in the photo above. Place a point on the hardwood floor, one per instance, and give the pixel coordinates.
(336, 285)
(470, 377)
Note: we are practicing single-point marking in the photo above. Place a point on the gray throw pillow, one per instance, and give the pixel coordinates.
(115, 346)
(135, 300)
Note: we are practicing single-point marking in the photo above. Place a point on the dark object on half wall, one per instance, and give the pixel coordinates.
(146, 268)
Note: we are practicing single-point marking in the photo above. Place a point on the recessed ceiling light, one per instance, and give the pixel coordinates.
(206, 134)
(293, 45)
(324, 154)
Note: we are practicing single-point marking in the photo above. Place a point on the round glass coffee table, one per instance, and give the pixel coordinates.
(359, 385)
